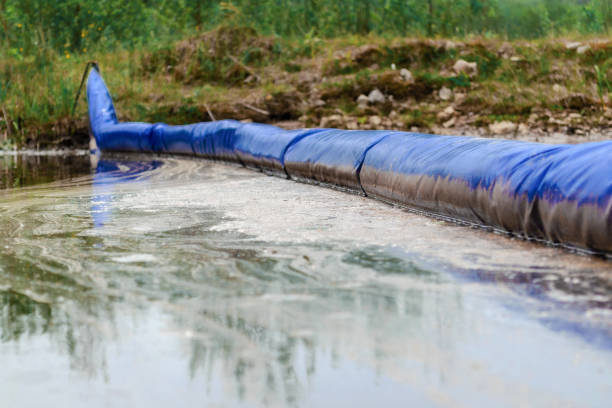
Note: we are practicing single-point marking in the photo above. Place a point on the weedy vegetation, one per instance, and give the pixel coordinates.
(305, 61)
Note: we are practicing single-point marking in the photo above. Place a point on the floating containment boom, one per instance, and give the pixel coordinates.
(558, 193)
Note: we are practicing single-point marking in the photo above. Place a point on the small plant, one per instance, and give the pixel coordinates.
(603, 84)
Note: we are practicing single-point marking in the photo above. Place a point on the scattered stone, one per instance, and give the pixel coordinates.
(375, 120)
(247, 120)
(572, 45)
(446, 73)
(362, 100)
(450, 45)
(449, 123)
(523, 129)
(533, 118)
(406, 75)
(446, 113)
(333, 121)
(393, 115)
(459, 97)
(319, 103)
(516, 59)
(582, 49)
(445, 94)
(393, 67)
(503, 127)
(468, 68)
(352, 125)
(558, 88)
(376, 97)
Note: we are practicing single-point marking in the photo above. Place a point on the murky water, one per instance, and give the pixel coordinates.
(175, 282)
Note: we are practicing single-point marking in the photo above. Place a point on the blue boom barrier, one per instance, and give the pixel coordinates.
(558, 193)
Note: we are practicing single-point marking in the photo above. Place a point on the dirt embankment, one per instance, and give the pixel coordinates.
(552, 90)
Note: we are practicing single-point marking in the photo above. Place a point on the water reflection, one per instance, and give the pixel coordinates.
(157, 280)
(25, 170)
(109, 173)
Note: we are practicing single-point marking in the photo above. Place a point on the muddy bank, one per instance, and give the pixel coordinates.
(555, 91)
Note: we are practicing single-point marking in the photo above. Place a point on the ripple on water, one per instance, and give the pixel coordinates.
(154, 277)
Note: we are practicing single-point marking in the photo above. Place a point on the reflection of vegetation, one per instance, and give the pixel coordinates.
(257, 317)
(20, 171)
(20, 315)
(271, 339)
(41, 300)
(382, 262)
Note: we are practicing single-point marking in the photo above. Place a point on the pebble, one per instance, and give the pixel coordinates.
(406, 75)
(468, 68)
(502, 127)
(583, 48)
(375, 120)
(362, 100)
(446, 113)
(445, 94)
(376, 97)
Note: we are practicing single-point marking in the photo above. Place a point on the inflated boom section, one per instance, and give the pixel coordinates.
(558, 193)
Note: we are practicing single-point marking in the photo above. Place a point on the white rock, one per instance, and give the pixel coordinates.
(332, 121)
(449, 123)
(445, 94)
(375, 120)
(504, 127)
(393, 67)
(376, 97)
(450, 45)
(446, 113)
(572, 45)
(459, 97)
(582, 49)
(468, 68)
(558, 88)
(533, 118)
(406, 75)
(523, 129)
(362, 100)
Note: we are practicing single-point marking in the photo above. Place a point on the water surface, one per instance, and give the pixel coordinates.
(189, 283)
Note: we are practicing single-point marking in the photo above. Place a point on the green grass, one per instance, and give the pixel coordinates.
(178, 82)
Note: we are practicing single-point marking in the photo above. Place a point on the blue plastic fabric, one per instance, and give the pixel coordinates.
(265, 146)
(332, 156)
(559, 193)
(555, 173)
